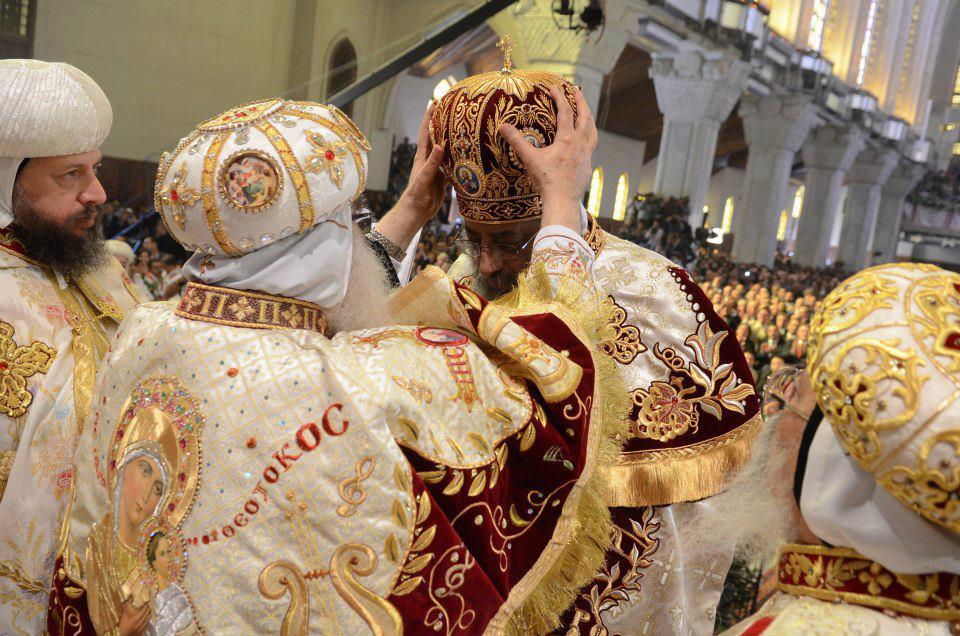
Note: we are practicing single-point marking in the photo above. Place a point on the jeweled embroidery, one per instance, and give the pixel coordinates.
(176, 195)
(136, 551)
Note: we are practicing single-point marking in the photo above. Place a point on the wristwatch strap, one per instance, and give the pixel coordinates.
(394, 250)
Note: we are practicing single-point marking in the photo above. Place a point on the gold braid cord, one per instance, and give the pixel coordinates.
(582, 536)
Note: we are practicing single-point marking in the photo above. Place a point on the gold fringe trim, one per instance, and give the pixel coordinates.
(580, 542)
(661, 477)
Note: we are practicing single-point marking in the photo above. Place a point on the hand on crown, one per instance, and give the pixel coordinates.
(561, 171)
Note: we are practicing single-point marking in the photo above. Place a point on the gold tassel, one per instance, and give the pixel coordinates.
(573, 561)
(668, 476)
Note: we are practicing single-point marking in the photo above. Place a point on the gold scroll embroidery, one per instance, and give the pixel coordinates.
(352, 560)
(621, 341)
(280, 578)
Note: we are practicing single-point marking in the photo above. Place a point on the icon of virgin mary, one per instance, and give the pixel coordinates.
(148, 484)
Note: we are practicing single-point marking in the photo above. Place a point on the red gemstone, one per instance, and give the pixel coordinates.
(330, 155)
(241, 114)
(4, 366)
(183, 443)
(232, 372)
(173, 195)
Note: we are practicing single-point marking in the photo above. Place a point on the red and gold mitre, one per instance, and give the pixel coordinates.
(491, 183)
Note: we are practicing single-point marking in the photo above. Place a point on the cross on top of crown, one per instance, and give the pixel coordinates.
(506, 45)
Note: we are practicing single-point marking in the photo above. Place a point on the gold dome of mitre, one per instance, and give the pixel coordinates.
(884, 360)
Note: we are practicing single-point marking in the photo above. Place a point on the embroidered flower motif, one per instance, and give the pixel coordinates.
(328, 158)
(921, 586)
(61, 484)
(241, 309)
(876, 579)
(664, 413)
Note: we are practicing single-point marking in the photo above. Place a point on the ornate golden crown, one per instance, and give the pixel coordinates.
(492, 185)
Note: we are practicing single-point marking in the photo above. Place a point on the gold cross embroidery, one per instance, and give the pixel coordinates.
(191, 300)
(328, 158)
(241, 309)
(291, 316)
(17, 364)
(177, 194)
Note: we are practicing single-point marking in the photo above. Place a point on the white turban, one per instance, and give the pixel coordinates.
(46, 110)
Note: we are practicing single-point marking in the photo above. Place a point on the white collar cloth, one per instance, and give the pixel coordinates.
(846, 507)
(313, 266)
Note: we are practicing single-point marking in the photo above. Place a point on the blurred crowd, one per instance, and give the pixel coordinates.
(769, 308)
(661, 225)
(151, 257)
(939, 190)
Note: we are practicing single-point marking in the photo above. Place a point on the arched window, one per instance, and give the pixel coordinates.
(727, 223)
(818, 23)
(798, 201)
(867, 45)
(443, 86)
(342, 70)
(955, 98)
(620, 203)
(782, 226)
(596, 192)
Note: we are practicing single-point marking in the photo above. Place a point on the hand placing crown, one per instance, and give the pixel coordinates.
(487, 175)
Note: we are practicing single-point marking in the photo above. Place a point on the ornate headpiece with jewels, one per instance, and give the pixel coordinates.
(491, 184)
(259, 173)
(885, 364)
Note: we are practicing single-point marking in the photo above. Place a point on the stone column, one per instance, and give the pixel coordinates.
(867, 176)
(890, 217)
(775, 128)
(828, 154)
(695, 92)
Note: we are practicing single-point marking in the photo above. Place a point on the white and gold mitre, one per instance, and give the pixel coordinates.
(885, 365)
(50, 109)
(259, 173)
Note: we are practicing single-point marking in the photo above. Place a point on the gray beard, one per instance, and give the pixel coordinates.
(490, 287)
(54, 244)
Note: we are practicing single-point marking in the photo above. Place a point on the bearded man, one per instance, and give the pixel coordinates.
(695, 410)
(252, 466)
(62, 299)
(861, 489)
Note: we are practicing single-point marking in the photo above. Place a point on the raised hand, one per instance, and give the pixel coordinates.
(561, 171)
(424, 192)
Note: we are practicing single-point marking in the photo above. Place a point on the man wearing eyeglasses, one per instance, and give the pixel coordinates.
(695, 410)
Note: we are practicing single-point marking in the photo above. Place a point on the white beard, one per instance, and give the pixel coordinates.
(365, 303)
(756, 505)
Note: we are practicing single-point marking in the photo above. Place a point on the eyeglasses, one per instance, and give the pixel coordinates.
(502, 251)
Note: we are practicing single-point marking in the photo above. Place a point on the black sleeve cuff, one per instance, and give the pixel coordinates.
(385, 261)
